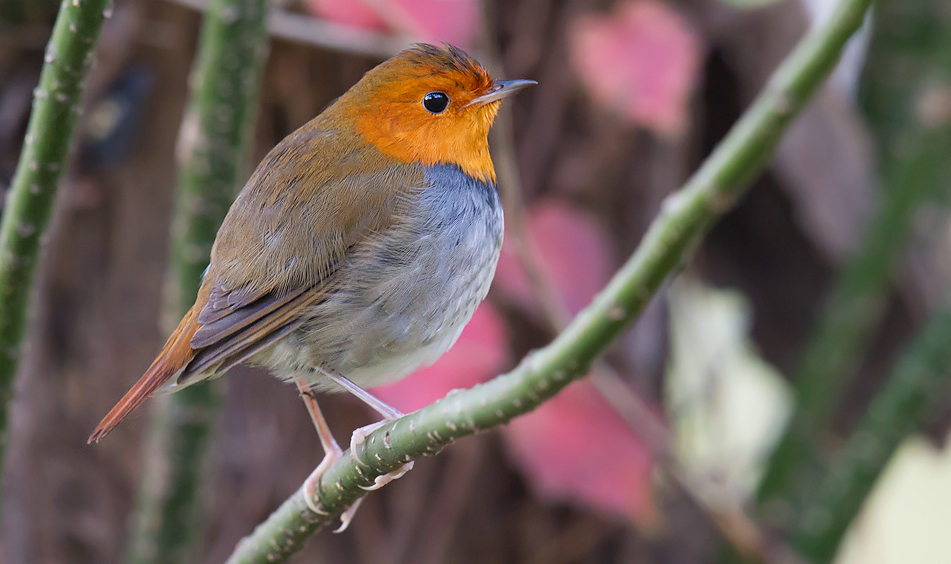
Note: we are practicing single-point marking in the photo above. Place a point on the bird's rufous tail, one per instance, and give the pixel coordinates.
(176, 353)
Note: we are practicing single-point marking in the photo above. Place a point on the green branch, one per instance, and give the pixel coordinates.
(57, 103)
(910, 36)
(920, 379)
(683, 220)
(217, 131)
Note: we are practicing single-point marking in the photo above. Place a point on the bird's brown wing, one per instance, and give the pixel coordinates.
(231, 335)
(276, 255)
(279, 250)
(314, 197)
(229, 312)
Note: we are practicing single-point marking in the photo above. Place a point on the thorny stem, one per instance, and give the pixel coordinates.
(216, 136)
(57, 103)
(683, 220)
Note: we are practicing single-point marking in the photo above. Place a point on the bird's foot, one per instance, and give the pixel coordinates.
(347, 516)
(360, 434)
(313, 481)
(385, 479)
(358, 438)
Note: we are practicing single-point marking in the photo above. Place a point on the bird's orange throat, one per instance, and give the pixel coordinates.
(460, 140)
(386, 110)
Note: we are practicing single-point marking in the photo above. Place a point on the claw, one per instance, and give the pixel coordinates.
(360, 434)
(385, 479)
(332, 451)
(358, 438)
(312, 481)
(347, 516)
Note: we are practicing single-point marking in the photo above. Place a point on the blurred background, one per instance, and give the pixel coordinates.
(651, 460)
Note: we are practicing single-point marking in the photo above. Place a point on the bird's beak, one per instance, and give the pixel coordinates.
(501, 89)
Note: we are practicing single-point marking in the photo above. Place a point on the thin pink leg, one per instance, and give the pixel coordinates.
(388, 412)
(332, 450)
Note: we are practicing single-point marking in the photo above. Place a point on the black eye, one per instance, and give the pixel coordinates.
(436, 102)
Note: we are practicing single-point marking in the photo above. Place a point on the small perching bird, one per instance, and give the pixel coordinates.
(359, 248)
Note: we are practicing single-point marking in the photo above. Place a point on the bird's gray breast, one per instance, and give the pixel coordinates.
(409, 292)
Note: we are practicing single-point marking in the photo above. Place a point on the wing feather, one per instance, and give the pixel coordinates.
(223, 323)
(223, 300)
(271, 317)
(315, 197)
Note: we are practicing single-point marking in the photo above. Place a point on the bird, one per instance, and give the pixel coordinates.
(358, 249)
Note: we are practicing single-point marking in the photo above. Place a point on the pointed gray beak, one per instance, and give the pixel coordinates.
(501, 89)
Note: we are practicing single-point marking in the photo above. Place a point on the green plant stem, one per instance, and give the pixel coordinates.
(913, 152)
(921, 377)
(57, 103)
(908, 51)
(217, 129)
(683, 220)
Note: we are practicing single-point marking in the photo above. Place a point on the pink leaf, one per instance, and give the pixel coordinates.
(451, 21)
(353, 12)
(576, 448)
(641, 61)
(480, 354)
(573, 252)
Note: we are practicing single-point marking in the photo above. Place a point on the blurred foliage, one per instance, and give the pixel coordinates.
(902, 407)
(914, 168)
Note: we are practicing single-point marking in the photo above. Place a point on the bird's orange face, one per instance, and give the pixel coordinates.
(429, 106)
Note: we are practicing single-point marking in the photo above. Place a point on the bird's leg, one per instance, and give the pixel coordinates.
(332, 450)
(388, 412)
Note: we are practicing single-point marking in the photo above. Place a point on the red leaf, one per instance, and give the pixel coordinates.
(573, 252)
(452, 21)
(576, 448)
(480, 353)
(353, 12)
(641, 61)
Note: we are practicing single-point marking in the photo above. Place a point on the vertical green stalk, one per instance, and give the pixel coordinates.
(907, 71)
(217, 130)
(909, 47)
(57, 102)
(920, 379)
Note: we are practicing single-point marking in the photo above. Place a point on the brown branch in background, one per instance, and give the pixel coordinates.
(516, 231)
(323, 34)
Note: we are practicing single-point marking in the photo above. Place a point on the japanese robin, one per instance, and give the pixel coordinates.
(360, 246)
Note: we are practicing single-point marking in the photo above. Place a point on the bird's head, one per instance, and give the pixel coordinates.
(430, 105)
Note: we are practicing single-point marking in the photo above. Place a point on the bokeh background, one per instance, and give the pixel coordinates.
(632, 95)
